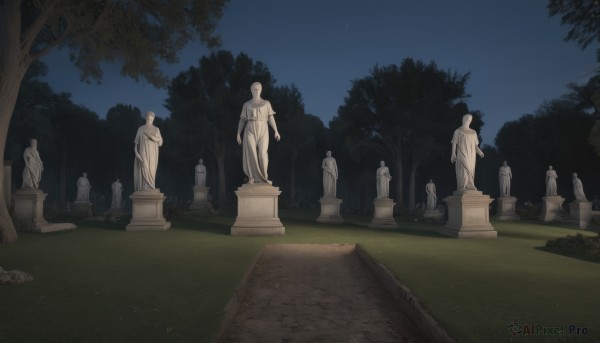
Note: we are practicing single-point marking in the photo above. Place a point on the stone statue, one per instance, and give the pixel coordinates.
(83, 189)
(551, 177)
(147, 141)
(504, 177)
(200, 174)
(330, 176)
(383, 181)
(256, 114)
(117, 195)
(465, 145)
(32, 173)
(431, 195)
(578, 188)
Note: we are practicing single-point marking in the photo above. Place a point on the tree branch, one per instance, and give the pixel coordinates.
(28, 37)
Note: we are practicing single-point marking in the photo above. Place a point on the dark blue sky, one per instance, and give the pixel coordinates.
(515, 53)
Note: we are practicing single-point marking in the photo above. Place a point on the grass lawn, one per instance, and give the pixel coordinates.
(99, 283)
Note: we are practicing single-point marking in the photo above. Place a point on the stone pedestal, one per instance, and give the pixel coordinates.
(433, 214)
(147, 211)
(505, 208)
(29, 212)
(468, 216)
(330, 211)
(82, 209)
(383, 215)
(258, 211)
(580, 213)
(201, 201)
(552, 208)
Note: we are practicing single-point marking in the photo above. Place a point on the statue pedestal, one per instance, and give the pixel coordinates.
(201, 201)
(258, 211)
(383, 216)
(505, 208)
(29, 212)
(433, 214)
(82, 209)
(330, 211)
(468, 216)
(580, 213)
(552, 208)
(147, 211)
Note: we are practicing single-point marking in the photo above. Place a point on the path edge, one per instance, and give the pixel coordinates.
(409, 303)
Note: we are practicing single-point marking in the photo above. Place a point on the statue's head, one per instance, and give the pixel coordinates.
(200, 161)
(256, 89)
(328, 153)
(430, 180)
(550, 168)
(150, 117)
(382, 163)
(84, 174)
(33, 142)
(504, 163)
(574, 175)
(118, 180)
(467, 119)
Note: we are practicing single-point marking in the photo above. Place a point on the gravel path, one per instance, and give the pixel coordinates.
(317, 293)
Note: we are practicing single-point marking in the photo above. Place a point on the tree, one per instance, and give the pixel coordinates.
(583, 17)
(136, 34)
(206, 102)
(406, 113)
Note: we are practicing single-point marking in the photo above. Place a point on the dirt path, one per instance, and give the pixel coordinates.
(317, 293)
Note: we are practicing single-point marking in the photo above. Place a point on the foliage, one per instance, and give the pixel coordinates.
(582, 17)
(404, 114)
(576, 245)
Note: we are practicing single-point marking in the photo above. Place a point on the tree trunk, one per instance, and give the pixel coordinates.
(411, 185)
(222, 186)
(293, 177)
(399, 178)
(12, 69)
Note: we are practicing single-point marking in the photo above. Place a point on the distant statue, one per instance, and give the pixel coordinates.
(147, 141)
(551, 177)
(330, 176)
(256, 114)
(83, 189)
(32, 173)
(383, 181)
(200, 174)
(504, 176)
(578, 188)
(431, 195)
(117, 195)
(465, 147)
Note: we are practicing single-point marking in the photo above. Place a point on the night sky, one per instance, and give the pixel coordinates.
(515, 53)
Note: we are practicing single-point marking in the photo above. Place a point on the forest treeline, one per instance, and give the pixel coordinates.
(401, 113)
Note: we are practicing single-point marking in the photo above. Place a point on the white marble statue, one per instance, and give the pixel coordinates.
(330, 176)
(32, 173)
(465, 147)
(551, 177)
(257, 115)
(504, 177)
(578, 188)
(383, 181)
(83, 189)
(147, 141)
(117, 195)
(431, 195)
(200, 173)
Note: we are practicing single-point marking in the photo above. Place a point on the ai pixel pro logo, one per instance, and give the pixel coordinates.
(529, 329)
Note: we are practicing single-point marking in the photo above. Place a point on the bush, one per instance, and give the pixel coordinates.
(577, 245)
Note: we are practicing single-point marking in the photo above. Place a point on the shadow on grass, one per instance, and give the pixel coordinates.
(578, 256)
(202, 224)
(103, 225)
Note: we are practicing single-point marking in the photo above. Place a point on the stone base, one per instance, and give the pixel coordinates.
(201, 198)
(468, 216)
(330, 211)
(433, 214)
(82, 209)
(552, 208)
(383, 216)
(580, 213)
(147, 211)
(258, 211)
(29, 212)
(505, 208)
